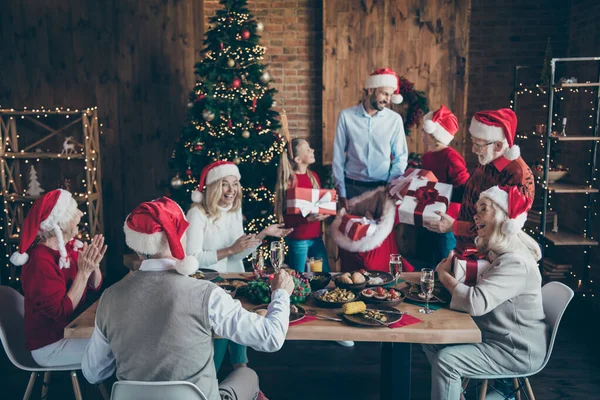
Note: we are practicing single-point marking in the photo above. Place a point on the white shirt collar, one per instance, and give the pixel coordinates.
(157, 264)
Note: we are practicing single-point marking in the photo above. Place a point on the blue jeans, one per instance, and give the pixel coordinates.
(299, 250)
(237, 352)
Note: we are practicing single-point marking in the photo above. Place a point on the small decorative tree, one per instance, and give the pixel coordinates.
(34, 188)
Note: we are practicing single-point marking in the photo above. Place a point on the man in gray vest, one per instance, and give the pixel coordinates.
(157, 324)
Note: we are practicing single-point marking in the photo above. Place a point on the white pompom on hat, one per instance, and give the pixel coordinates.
(212, 173)
(156, 224)
(514, 203)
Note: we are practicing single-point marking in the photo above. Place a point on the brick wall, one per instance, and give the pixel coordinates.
(292, 35)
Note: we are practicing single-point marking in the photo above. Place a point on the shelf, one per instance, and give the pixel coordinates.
(562, 238)
(59, 156)
(578, 85)
(571, 188)
(15, 197)
(575, 138)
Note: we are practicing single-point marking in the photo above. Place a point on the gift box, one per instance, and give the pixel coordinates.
(306, 201)
(399, 186)
(467, 269)
(356, 228)
(422, 200)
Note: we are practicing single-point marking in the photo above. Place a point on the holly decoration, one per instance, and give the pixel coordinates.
(415, 104)
(258, 290)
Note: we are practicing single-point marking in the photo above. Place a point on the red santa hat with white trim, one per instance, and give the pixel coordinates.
(441, 124)
(212, 173)
(497, 126)
(514, 203)
(44, 216)
(385, 77)
(156, 225)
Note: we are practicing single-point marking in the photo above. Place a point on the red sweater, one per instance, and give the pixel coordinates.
(303, 229)
(48, 309)
(447, 165)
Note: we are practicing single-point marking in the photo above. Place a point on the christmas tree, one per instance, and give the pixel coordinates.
(545, 78)
(33, 187)
(231, 115)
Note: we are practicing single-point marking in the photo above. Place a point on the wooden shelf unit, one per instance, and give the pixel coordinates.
(562, 238)
(557, 187)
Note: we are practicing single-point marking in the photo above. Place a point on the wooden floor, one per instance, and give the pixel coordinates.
(324, 370)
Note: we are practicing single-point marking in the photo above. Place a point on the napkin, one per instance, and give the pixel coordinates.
(307, 318)
(404, 321)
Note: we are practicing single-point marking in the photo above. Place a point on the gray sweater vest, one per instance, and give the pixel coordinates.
(158, 328)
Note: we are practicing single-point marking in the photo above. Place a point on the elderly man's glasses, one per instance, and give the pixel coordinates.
(482, 146)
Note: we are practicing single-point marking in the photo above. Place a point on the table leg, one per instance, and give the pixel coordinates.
(395, 370)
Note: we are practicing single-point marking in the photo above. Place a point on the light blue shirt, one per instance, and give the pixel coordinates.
(368, 148)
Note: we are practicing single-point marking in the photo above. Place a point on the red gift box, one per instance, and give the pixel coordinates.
(356, 228)
(399, 186)
(468, 268)
(310, 201)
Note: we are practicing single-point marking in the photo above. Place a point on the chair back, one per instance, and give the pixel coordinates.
(135, 390)
(12, 330)
(556, 297)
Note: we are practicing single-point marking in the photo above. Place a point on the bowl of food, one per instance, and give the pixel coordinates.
(334, 298)
(554, 174)
(380, 295)
(351, 280)
(318, 280)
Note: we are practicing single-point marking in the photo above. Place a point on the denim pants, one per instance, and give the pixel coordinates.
(299, 250)
(237, 352)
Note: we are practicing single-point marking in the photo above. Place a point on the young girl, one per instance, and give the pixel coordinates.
(305, 241)
(216, 235)
(447, 165)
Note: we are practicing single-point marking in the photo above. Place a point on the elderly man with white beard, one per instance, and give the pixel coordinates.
(500, 163)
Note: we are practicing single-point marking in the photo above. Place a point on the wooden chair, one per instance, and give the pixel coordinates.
(556, 297)
(135, 390)
(13, 340)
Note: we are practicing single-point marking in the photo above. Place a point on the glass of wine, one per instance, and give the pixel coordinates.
(395, 267)
(276, 255)
(258, 262)
(427, 284)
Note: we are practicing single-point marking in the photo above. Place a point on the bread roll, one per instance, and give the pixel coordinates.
(358, 278)
(345, 279)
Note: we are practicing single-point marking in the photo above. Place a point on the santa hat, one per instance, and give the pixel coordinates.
(441, 124)
(156, 224)
(385, 77)
(44, 216)
(514, 203)
(212, 173)
(496, 126)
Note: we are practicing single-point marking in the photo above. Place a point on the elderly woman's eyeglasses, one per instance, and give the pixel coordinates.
(482, 146)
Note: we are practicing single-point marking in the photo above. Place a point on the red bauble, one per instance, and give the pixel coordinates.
(229, 123)
(198, 147)
(188, 172)
(245, 34)
(200, 97)
(236, 83)
(259, 127)
(222, 46)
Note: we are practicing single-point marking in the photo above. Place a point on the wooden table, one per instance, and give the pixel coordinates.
(444, 326)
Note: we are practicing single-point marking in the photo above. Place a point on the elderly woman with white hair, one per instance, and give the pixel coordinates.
(57, 271)
(505, 303)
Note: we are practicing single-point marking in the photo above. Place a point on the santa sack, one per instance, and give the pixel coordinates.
(376, 203)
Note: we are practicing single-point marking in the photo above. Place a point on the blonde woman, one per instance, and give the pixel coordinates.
(216, 234)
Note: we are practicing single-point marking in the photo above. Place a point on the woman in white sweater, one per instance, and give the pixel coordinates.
(216, 234)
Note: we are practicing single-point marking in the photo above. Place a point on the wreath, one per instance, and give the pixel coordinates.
(414, 105)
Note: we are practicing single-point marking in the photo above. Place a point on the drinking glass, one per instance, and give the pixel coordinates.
(258, 262)
(427, 284)
(276, 255)
(395, 267)
(316, 264)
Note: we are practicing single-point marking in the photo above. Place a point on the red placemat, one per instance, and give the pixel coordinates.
(404, 321)
(307, 318)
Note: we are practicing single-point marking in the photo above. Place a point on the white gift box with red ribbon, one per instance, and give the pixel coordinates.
(306, 201)
(468, 269)
(399, 186)
(356, 228)
(422, 200)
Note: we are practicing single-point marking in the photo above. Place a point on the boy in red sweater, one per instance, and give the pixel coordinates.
(448, 166)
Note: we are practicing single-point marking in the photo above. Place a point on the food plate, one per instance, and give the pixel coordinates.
(377, 278)
(236, 282)
(352, 286)
(360, 319)
(413, 292)
(387, 302)
(318, 280)
(294, 315)
(318, 297)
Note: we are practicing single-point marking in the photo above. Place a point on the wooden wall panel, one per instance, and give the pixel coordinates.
(133, 59)
(426, 41)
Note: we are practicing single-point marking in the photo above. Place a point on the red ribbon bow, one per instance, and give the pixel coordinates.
(427, 195)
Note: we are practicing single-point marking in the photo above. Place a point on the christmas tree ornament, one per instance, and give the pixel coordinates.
(190, 104)
(34, 188)
(236, 83)
(260, 27)
(245, 34)
(221, 46)
(200, 97)
(176, 182)
(230, 63)
(274, 104)
(245, 134)
(265, 77)
(208, 115)
(254, 104)
(229, 123)
(198, 147)
(189, 172)
(237, 161)
(259, 127)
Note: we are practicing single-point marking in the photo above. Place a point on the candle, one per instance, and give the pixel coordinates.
(564, 121)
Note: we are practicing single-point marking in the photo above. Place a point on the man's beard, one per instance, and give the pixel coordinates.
(486, 158)
(376, 105)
